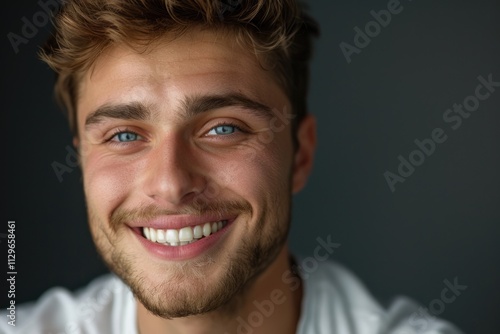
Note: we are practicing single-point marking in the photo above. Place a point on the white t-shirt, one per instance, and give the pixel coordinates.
(334, 302)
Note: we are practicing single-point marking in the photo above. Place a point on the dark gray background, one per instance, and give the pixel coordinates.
(441, 223)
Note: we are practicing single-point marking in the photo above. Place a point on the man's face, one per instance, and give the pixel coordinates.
(188, 143)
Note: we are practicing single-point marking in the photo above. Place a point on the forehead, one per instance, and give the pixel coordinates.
(195, 63)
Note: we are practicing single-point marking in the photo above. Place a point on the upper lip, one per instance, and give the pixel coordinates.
(179, 221)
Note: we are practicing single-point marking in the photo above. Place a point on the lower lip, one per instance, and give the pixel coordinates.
(186, 252)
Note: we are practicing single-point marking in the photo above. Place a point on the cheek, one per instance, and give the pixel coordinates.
(106, 183)
(261, 174)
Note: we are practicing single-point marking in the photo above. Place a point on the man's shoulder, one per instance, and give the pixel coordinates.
(105, 303)
(336, 301)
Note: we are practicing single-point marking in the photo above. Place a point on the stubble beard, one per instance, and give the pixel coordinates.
(184, 289)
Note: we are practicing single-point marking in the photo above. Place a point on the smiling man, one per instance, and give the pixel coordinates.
(180, 205)
(191, 123)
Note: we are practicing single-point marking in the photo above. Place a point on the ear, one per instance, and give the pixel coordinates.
(76, 145)
(76, 142)
(304, 154)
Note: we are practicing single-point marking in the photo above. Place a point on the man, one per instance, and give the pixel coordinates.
(193, 134)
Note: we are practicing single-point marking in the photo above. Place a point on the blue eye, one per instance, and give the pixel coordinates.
(126, 137)
(225, 129)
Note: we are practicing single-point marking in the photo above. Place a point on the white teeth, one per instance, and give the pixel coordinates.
(172, 236)
(207, 229)
(183, 236)
(160, 236)
(152, 234)
(186, 234)
(198, 232)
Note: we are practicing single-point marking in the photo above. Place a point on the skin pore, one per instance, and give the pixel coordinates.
(193, 129)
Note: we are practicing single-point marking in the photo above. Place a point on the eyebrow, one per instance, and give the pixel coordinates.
(129, 111)
(193, 106)
(190, 107)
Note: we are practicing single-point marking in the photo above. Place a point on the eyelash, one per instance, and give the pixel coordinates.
(109, 139)
(227, 123)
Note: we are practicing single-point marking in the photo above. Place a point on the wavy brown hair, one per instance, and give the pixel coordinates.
(279, 32)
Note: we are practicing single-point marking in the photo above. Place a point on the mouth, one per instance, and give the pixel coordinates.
(184, 236)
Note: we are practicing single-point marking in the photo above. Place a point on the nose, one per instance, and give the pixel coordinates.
(171, 174)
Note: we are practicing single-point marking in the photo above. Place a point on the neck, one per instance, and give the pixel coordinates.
(269, 305)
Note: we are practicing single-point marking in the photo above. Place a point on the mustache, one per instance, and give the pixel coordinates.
(196, 208)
